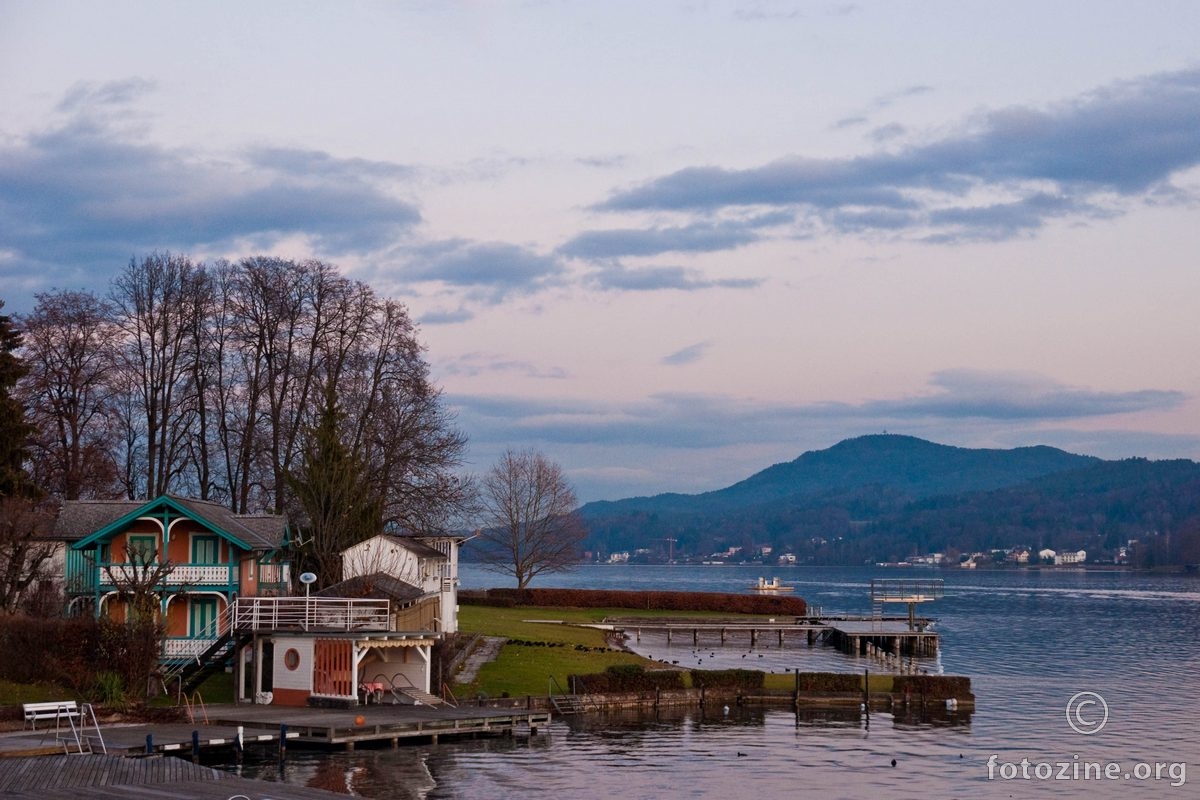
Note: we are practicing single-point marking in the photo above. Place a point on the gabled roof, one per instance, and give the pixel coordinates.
(414, 545)
(85, 522)
(376, 586)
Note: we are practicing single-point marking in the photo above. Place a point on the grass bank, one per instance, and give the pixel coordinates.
(537, 651)
(546, 641)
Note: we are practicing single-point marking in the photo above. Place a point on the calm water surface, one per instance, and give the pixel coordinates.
(1028, 640)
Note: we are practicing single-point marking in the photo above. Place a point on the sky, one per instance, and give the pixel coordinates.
(666, 244)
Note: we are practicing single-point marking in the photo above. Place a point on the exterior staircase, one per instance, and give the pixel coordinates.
(195, 671)
(418, 697)
(568, 703)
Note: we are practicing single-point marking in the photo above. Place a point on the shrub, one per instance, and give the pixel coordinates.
(628, 678)
(829, 682)
(72, 652)
(938, 687)
(740, 679)
(658, 601)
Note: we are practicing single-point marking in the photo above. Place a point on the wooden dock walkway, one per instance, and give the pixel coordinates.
(264, 724)
(101, 777)
(898, 635)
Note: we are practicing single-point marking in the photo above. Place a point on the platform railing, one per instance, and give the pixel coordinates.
(315, 613)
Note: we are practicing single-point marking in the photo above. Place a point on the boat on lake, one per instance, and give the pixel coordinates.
(773, 585)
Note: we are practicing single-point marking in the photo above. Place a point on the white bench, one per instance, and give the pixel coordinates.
(56, 710)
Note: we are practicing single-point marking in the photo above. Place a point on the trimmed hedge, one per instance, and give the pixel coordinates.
(629, 678)
(658, 601)
(936, 686)
(740, 679)
(830, 682)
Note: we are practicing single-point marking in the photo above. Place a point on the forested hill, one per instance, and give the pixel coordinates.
(887, 497)
(903, 465)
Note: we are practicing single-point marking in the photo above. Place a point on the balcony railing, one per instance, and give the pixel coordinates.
(180, 574)
(176, 648)
(316, 613)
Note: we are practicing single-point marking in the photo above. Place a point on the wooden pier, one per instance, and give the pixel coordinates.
(855, 635)
(265, 725)
(106, 777)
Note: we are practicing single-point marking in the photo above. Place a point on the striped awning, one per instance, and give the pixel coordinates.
(384, 643)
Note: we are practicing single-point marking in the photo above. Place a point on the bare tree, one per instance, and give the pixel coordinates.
(70, 347)
(156, 302)
(139, 581)
(530, 525)
(25, 557)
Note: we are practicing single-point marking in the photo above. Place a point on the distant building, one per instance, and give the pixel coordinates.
(1076, 557)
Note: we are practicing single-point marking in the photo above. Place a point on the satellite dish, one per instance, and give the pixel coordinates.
(307, 578)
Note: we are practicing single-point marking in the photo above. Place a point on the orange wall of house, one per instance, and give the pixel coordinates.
(179, 550)
(139, 528)
(177, 618)
(248, 576)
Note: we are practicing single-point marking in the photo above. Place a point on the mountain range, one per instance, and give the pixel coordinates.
(887, 497)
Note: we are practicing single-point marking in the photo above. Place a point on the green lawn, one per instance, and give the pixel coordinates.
(525, 668)
(14, 694)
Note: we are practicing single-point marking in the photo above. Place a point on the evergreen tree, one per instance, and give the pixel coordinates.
(14, 429)
(339, 506)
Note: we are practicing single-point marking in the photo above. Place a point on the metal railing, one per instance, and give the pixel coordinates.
(304, 613)
(906, 590)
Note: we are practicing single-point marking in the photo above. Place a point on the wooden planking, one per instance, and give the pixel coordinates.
(116, 778)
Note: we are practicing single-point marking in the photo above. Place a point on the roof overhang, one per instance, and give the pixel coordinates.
(147, 510)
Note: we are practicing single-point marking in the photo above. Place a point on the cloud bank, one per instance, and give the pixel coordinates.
(1004, 174)
(83, 196)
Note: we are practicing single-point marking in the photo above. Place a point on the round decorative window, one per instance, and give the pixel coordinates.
(291, 658)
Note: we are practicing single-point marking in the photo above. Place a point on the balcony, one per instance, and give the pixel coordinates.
(178, 648)
(181, 575)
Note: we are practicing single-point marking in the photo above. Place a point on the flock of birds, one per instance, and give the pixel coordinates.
(698, 655)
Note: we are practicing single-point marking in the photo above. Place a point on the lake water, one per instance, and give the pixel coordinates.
(1030, 642)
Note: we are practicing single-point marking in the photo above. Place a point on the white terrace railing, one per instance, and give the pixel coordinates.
(179, 647)
(304, 613)
(180, 574)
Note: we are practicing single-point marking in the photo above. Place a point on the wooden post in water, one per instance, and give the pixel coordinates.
(867, 696)
(195, 747)
(282, 743)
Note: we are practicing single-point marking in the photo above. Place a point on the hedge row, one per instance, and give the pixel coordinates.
(935, 686)
(740, 679)
(658, 601)
(629, 678)
(634, 678)
(75, 652)
(829, 682)
(581, 647)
